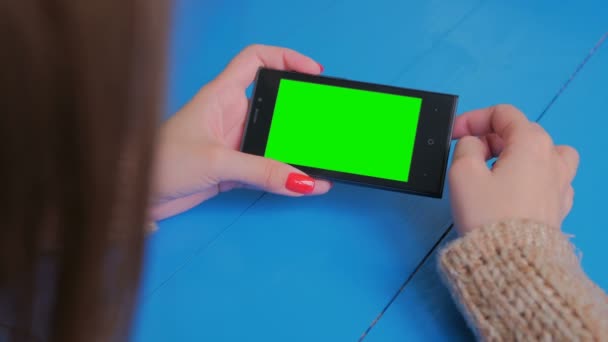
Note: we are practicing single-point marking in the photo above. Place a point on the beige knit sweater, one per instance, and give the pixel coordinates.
(519, 280)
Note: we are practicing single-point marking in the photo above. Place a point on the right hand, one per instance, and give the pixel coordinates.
(530, 180)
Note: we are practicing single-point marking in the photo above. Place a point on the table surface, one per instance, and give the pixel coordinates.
(358, 263)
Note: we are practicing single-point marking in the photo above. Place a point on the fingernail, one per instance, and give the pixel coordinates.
(322, 68)
(300, 183)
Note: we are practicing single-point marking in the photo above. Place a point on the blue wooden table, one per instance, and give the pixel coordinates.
(359, 263)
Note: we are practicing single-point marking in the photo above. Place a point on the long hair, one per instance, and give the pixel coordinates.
(81, 84)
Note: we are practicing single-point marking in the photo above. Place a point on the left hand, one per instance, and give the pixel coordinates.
(198, 156)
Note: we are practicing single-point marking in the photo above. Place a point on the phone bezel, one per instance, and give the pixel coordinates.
(431, 147)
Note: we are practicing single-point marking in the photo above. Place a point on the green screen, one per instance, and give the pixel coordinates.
(342, 129)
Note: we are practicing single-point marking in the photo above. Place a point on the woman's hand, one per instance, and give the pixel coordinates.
(198, 153)
(530, 180)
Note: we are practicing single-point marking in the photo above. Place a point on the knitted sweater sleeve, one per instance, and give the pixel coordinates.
(520, 280)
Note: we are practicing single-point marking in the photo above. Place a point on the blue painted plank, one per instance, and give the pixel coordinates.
(187, 72)
(424, 311)
(579, 117)
(284, 275)
(322, 268)
(356, 39)
(510, 52)
(179, 239)
(205, 37)
(207, 34)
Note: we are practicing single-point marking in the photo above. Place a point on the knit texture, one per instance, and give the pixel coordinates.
(521, 281)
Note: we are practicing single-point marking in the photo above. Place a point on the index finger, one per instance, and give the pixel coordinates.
(243, 68)
(503, 120)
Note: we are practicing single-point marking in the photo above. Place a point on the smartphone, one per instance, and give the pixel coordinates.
(355, 132)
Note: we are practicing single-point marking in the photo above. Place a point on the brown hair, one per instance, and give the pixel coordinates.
(79, 93)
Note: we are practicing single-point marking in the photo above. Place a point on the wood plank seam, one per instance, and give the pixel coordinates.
(407, 281)
(561, 90)
(437, 41)
(581, 65)
(199, 250)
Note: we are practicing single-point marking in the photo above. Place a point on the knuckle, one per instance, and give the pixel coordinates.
(576, 156)
(253, 47)
(270, 172)
(569, 202)
(507, 108)
(570, 191)
(507, 119)
(573, 153)
(467, 140)
(462, 166)
(461, 144)
(569, 198)
(466, 143)
(537, 128)
(541, 138)
(289, 50)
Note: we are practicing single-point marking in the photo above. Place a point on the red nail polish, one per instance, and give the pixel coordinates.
(300, 183)
(322, 68)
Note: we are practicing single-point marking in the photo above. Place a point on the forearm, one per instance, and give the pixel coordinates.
(522, 280)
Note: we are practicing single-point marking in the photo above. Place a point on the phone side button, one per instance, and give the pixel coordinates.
(255, 115)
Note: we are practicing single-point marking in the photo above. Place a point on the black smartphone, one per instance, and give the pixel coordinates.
(368, 134)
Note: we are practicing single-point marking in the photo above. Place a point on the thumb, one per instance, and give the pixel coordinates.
(471, 147)
(469, 159)
(268, 175)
